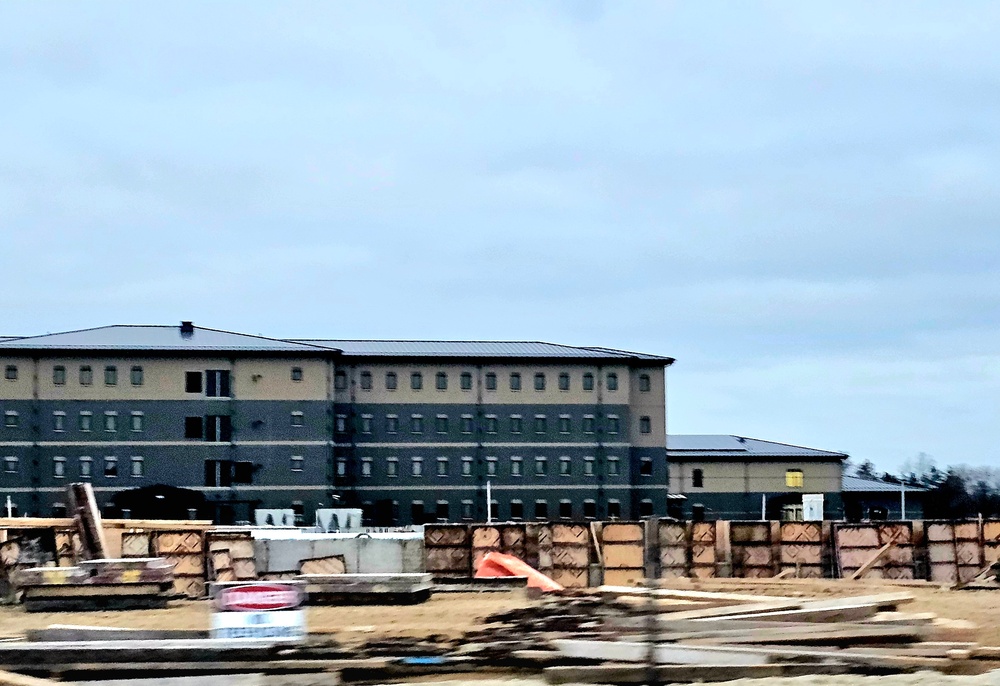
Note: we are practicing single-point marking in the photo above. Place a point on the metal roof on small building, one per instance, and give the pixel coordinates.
(726, 447)
(856, 484)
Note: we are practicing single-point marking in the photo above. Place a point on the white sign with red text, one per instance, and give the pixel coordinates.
(260, 611)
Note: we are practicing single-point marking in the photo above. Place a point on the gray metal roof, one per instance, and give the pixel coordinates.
(493, 349)
(153, 338)
(858, 485)
(716, 446)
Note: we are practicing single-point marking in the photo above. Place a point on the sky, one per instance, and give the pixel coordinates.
(798, 201)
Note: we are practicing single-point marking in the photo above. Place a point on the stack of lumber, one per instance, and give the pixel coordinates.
(97, 585)
(357, 589)
(631, 635)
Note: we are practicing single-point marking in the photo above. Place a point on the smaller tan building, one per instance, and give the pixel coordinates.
(733, 477)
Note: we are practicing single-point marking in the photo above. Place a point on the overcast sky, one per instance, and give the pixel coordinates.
(797, 200)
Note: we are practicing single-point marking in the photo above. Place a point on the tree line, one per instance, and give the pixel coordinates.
(955, 492)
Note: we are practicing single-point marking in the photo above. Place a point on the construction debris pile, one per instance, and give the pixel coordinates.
(634, 635)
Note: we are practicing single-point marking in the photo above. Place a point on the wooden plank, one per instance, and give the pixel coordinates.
(614, 591)
(874, 559)
(664, 674)
(750, 610)
(14, 679)
(88, 520)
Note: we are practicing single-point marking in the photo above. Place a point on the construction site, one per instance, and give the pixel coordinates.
(653, 601)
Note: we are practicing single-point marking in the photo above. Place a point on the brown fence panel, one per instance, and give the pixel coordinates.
(857, 543)
(954, 550)
(485, 539)
(186, 551)
(623, 549)
(703, 557)
(569, 553)
(801, 546)
(447, 548)
(752, 545)
(674, 539)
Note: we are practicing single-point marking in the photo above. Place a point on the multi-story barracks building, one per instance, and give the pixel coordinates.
(186, 421)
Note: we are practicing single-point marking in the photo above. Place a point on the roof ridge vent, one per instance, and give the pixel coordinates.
(187, 329)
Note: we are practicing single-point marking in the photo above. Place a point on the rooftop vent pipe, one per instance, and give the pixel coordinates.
(187, 329)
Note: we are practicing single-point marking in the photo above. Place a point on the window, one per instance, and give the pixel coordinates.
(645, 466)
(111, 467)
(466, 466)
(614, 509)
(441, 381)
(491, 381)
(646, 508)
(366, 467)
(417, 466)
(465, 381)
(340, 424)
(612, 381)
(442, 466)
(111, 375)
(391, 423)
(516, 466)
(194, 427)
(341, 467)
(442, 511)
(58, 421)
(111, 421)
(298, 418)
(565, 509)
(416, 381)
(565, 466)
(565, 423)
(366, 423)
(588, 423)
(10, 464)
(242, 472)
(589, 509)
(392, 467)
(491, 466)
(613, 466)
(297, 463)
(11, 419)
(564, 382)
(10, 372)
(541, 509)
(516, 509)
(58, 467)
(645, 425)
(515, 423)
(192, 382)
(588, 382)
(86, 467)
(417, 512)
(218, 428)
(644, 383)
(541, 466)
(794, 478)
(697, 478)
(416, 424)
(138, 419)
(138, 467)
(467, 424)
(136, 376)
(296, 373)
(515, 381)
(539, 381)
(441, 424)
(490, 424)
(541, 424)
(217, 383)
(340, 380)
(467, 510)
(588, 466)
(365, 379)
(59, 375)
(391, 381)
(85, 420)
(612, 424)
(86, 375)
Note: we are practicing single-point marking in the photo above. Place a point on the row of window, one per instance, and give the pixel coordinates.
(85, 466)
(515, 466)
(794, 478)
(540, 381)
(419, 513)
(490, 423)
(85, 421)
